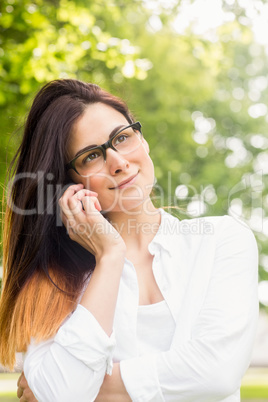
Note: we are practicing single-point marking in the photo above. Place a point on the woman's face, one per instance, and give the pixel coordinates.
(125, 181)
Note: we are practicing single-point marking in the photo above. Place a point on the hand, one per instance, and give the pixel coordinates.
(113, 388)
(86, 225)
(24, 392)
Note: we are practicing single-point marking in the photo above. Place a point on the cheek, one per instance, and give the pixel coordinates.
(93, 184)
(149, 168)
(100, 185)
(75, 177)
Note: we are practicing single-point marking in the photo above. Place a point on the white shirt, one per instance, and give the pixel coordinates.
(207, 271)
(155, 328)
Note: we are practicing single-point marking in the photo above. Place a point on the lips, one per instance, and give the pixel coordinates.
(125, 183)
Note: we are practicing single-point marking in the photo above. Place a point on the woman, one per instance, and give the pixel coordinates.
(123, 302)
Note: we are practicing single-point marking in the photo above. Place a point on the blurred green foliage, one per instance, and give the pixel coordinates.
(201, 99)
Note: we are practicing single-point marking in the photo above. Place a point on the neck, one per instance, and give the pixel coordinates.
(137, 227)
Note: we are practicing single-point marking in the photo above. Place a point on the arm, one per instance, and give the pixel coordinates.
(72, 366)
(23, 391)
(113, 388)
(210, 365)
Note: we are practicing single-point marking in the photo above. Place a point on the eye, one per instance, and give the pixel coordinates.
(120, 138)
(91, 156)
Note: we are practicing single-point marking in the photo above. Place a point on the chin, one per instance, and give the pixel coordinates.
(128, 207)
(129, 200)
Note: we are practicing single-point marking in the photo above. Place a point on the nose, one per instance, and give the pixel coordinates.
(116, 162)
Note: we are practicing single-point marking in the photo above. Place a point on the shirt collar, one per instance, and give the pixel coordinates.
(165, 234)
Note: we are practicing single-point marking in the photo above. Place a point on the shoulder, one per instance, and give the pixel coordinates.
(207, 225)
(233, 230)
(212, 246)
(233, 240)
(210, 232)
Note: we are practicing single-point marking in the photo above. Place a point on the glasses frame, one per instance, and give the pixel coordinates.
(108, 144)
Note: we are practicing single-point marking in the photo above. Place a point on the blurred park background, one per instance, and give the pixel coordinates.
(195, 74)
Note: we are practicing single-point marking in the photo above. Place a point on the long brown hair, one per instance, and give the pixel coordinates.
(43, 269)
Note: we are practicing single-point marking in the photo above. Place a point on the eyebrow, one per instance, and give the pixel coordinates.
(87, 148)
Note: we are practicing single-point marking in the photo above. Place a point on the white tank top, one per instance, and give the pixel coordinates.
(155, 328)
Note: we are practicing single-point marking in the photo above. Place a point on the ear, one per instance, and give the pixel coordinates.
(146, 145)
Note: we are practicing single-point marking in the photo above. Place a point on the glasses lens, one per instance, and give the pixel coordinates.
(127, 140)
(89, 162)
(92, 161)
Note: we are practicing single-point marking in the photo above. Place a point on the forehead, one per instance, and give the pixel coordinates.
(94, 126)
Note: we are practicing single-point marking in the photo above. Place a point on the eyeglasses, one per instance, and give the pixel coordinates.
(91, 161)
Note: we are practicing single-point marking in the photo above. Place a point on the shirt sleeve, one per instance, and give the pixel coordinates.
(210, 365)
(70, 367)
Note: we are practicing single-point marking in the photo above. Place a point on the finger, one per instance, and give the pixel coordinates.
(67, 220)
(23, 381)
(75, 208)
(23, 398)
(18, 382)
(72, 208)
(28, 395)
(74, 189)
(66, 213)
(69, 223)
(87, 193)
(77, 193)
(19, 392)
(80, 194)
(91, 204)
(71, 190)
(98, 205)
